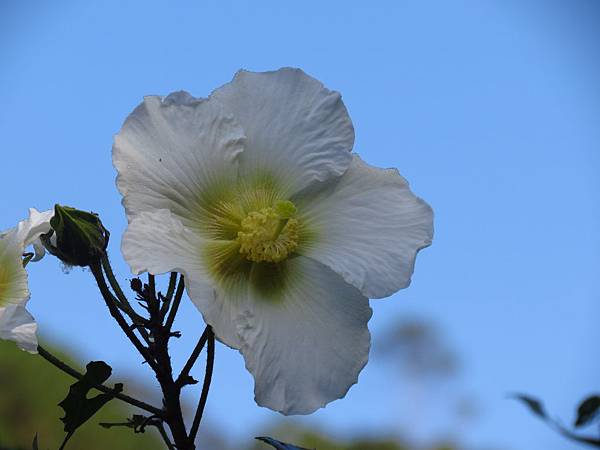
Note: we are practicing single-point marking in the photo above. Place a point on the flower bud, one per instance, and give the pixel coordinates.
(78, 238)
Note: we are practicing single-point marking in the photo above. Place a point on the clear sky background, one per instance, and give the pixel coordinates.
(491, 109)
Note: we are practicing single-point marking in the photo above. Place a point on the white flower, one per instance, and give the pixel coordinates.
(16, 324)
(281, 232)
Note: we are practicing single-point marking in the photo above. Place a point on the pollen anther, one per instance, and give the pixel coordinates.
(266, 236)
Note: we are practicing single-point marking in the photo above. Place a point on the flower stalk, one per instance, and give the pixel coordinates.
(210, 361)
(157, 331)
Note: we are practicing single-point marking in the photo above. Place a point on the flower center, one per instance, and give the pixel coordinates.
(270, 234)
(4, 283)
(7, 279)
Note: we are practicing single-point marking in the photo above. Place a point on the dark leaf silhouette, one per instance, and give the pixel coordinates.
(587, 411)
(534, 405)
(538, 409)
(279, 445)
(78, 408)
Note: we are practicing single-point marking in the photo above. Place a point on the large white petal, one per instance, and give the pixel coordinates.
(16, 324)
(307, 349)
(296, 129)
(157, 242)
(368, 228)
(170, 151)
(13, 277)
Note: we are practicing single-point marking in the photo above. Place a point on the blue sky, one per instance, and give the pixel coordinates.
(490, 110)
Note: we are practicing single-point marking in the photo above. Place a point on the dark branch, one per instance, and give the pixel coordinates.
(114, 311)
(100, 387)
(163, 434)
(183, 378)
(169, 297)
(123, 302)
(210, 360)
(176, 302)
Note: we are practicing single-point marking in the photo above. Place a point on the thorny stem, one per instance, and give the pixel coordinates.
(157, 357)
(170, 390)
(210, 360)
(100, 387)
(157, 352)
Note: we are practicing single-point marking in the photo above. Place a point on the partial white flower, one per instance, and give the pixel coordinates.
(281, 232)
(16, 324)
(13, 278)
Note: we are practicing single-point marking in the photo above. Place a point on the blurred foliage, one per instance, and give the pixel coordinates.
(30, 390)
(311, 439)
(417, 347)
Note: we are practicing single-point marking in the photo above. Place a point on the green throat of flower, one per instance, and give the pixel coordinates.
(252, 232)
(7, 279)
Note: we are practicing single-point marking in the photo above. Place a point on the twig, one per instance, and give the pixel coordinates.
(210, 360)
(64, 442)
(161, 429)
(176, 302)
(123, 302)
(152, 285)
(185, 372)
(113, 281)
(170, 291)
(77, 375)
(114, 311)
(172, 285)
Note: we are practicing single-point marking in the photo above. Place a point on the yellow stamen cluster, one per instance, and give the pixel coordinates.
(269, 235)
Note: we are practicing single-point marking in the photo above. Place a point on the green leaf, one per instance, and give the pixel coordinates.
(279, 445)
(587, 410)
(78, 408)
(534, 405)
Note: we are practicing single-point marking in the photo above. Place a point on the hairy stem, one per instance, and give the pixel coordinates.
(170, 390)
